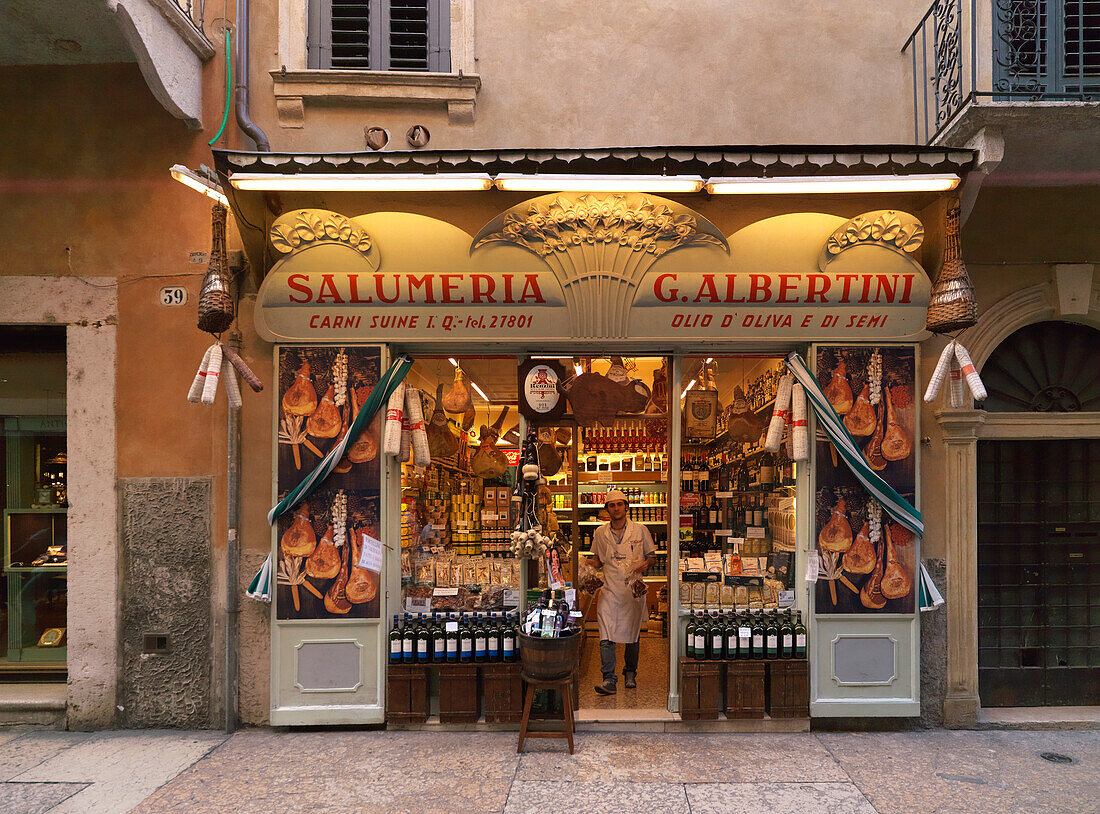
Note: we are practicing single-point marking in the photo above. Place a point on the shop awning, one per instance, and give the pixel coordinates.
(255, 210)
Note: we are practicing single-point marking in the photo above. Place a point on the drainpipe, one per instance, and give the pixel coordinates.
(232, 558)
(241, 96)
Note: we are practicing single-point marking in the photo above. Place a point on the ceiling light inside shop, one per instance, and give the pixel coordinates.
(199, 183)
(480, 392)
(688, 388)
(333, 182)
(578, 369)
(831, 184)
(599, 183)
(452, 361)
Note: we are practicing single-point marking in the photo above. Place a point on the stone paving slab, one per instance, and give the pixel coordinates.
(120, 768)
(551, 797)
(777, 798)
(676, 758)
(964, 771)
(28, 749)
(35, 798)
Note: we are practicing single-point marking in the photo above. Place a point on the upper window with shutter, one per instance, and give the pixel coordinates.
(380, 35)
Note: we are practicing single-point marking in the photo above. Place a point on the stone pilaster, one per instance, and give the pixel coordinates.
(960, 434)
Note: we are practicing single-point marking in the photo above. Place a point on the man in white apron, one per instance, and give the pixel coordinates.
(621, 547)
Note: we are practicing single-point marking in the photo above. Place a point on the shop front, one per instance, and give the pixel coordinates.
(642, 342)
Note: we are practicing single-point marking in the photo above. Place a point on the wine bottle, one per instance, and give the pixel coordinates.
(744, 637)
(701, 637)
(465, 640)
(508, 639)
(799, 637)
(730, 632)
(395, 642)
(439, 640)
(757, 636)
(786, 637)
(771, 635)
(408, 640)
(452, 638)
(717, 638)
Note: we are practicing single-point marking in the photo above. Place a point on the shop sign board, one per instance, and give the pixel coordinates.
(397, 277)
(541, 400)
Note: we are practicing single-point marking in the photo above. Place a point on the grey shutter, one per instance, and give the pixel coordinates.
(439, 36)
(319, 35)
(351, 25)
(408, 28)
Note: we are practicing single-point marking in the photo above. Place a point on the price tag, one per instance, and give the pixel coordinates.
(511, 598)
(445, 592)
(723, 532)
(813, 566)
(755, 533)
(603, 477)
(723, 494)
(452, 627)
(488, 515)
(419, 604)
(371, 555)
(439, 526)
(786, 599)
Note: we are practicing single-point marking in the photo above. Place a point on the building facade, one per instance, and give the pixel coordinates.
(1005, 101)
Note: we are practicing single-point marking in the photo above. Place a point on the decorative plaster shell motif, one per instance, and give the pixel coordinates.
(897, 231)
(600, 247)
(304, 228)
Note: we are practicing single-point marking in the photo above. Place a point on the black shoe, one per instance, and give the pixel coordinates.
(607, 688)
(631, 680)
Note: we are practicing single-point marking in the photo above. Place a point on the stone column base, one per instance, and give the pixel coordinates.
(961, 711)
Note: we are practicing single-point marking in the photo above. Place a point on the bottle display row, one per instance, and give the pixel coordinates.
(636, 496)
(719, 636)
(551, 617)
(625, 436)
(453, 637)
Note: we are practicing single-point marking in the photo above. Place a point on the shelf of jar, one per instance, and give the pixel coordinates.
(628, 478)
(643, 522)
(586, 553)
(600, 506)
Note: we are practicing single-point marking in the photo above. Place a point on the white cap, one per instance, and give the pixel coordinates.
(614, 495)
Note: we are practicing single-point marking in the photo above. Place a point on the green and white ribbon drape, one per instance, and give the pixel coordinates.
(378, 397)
(928, 595)
(260, 587)
(895, 505)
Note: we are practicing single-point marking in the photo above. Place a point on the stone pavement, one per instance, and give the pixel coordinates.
(933, 772)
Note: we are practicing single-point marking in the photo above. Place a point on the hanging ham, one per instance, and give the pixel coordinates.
(301, 398)
(489, 461)
(362, 584)
(324, 562)
(860, 420)
(836, 535)
(871, 593)
(896, 443)
(743, 425)
(457, 399)
(873, 451)
(896, 580)
(860, 558)
(336, 598)
(324, 422)
(838, 391)
(299, 539)
(442, 440)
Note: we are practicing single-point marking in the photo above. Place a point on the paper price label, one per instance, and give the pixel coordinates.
(723, 494)
(445, 592)
(813, 566)
(371, 555)
(755, 533)
(723, 532)
(452, 627)
(603, 477)
(419, 604)
(786, 599)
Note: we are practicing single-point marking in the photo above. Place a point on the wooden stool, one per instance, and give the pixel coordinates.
(564, 686)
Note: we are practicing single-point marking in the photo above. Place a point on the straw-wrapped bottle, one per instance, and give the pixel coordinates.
(216, 297)
(952, 306)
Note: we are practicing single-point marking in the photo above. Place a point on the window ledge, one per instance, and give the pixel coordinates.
(456, 91)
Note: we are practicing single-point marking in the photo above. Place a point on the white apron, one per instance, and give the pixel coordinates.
(619, 613)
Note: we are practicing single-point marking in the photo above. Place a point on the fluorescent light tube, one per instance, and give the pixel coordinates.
(578, 369)
(453, 362)
(480, 392)
(599, 183)
(688, 388)
(192, 179)
(338, 182)
(831, 184)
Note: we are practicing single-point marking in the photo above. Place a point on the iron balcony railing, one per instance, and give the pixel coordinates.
(1001, 50)
(195, 11)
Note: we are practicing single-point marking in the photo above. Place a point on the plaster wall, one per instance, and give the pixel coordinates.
(580, 74)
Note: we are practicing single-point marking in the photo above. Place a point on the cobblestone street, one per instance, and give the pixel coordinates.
(354, 771)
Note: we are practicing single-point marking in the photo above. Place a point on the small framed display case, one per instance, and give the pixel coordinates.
(35, 540)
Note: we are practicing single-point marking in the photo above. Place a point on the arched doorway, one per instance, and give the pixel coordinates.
(1039, 525)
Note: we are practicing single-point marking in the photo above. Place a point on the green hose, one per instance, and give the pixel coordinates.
(228, 90)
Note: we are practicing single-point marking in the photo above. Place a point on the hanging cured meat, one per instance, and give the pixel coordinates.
(344, 465)
(871, 593)
(896, 443)
(743, 425)
(563, 435)
(837, 533)
(617, 372)
(550, 458)
(365, 447)
(860, 420)
(468, 419)
(336, 598)
(896, 580)
(324, 422)
(362, 583)
(457, 399)
(300, 539)
(442, 440)
(860, 558)
(838, 391)
(324, 562)
(873, 451)
(489, 461)
(301, 398)
(597, 399)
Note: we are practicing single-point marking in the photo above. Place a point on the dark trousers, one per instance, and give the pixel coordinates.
(607, 659)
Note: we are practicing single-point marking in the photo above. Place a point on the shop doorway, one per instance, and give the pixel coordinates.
(33, 457)
(1039, 572)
